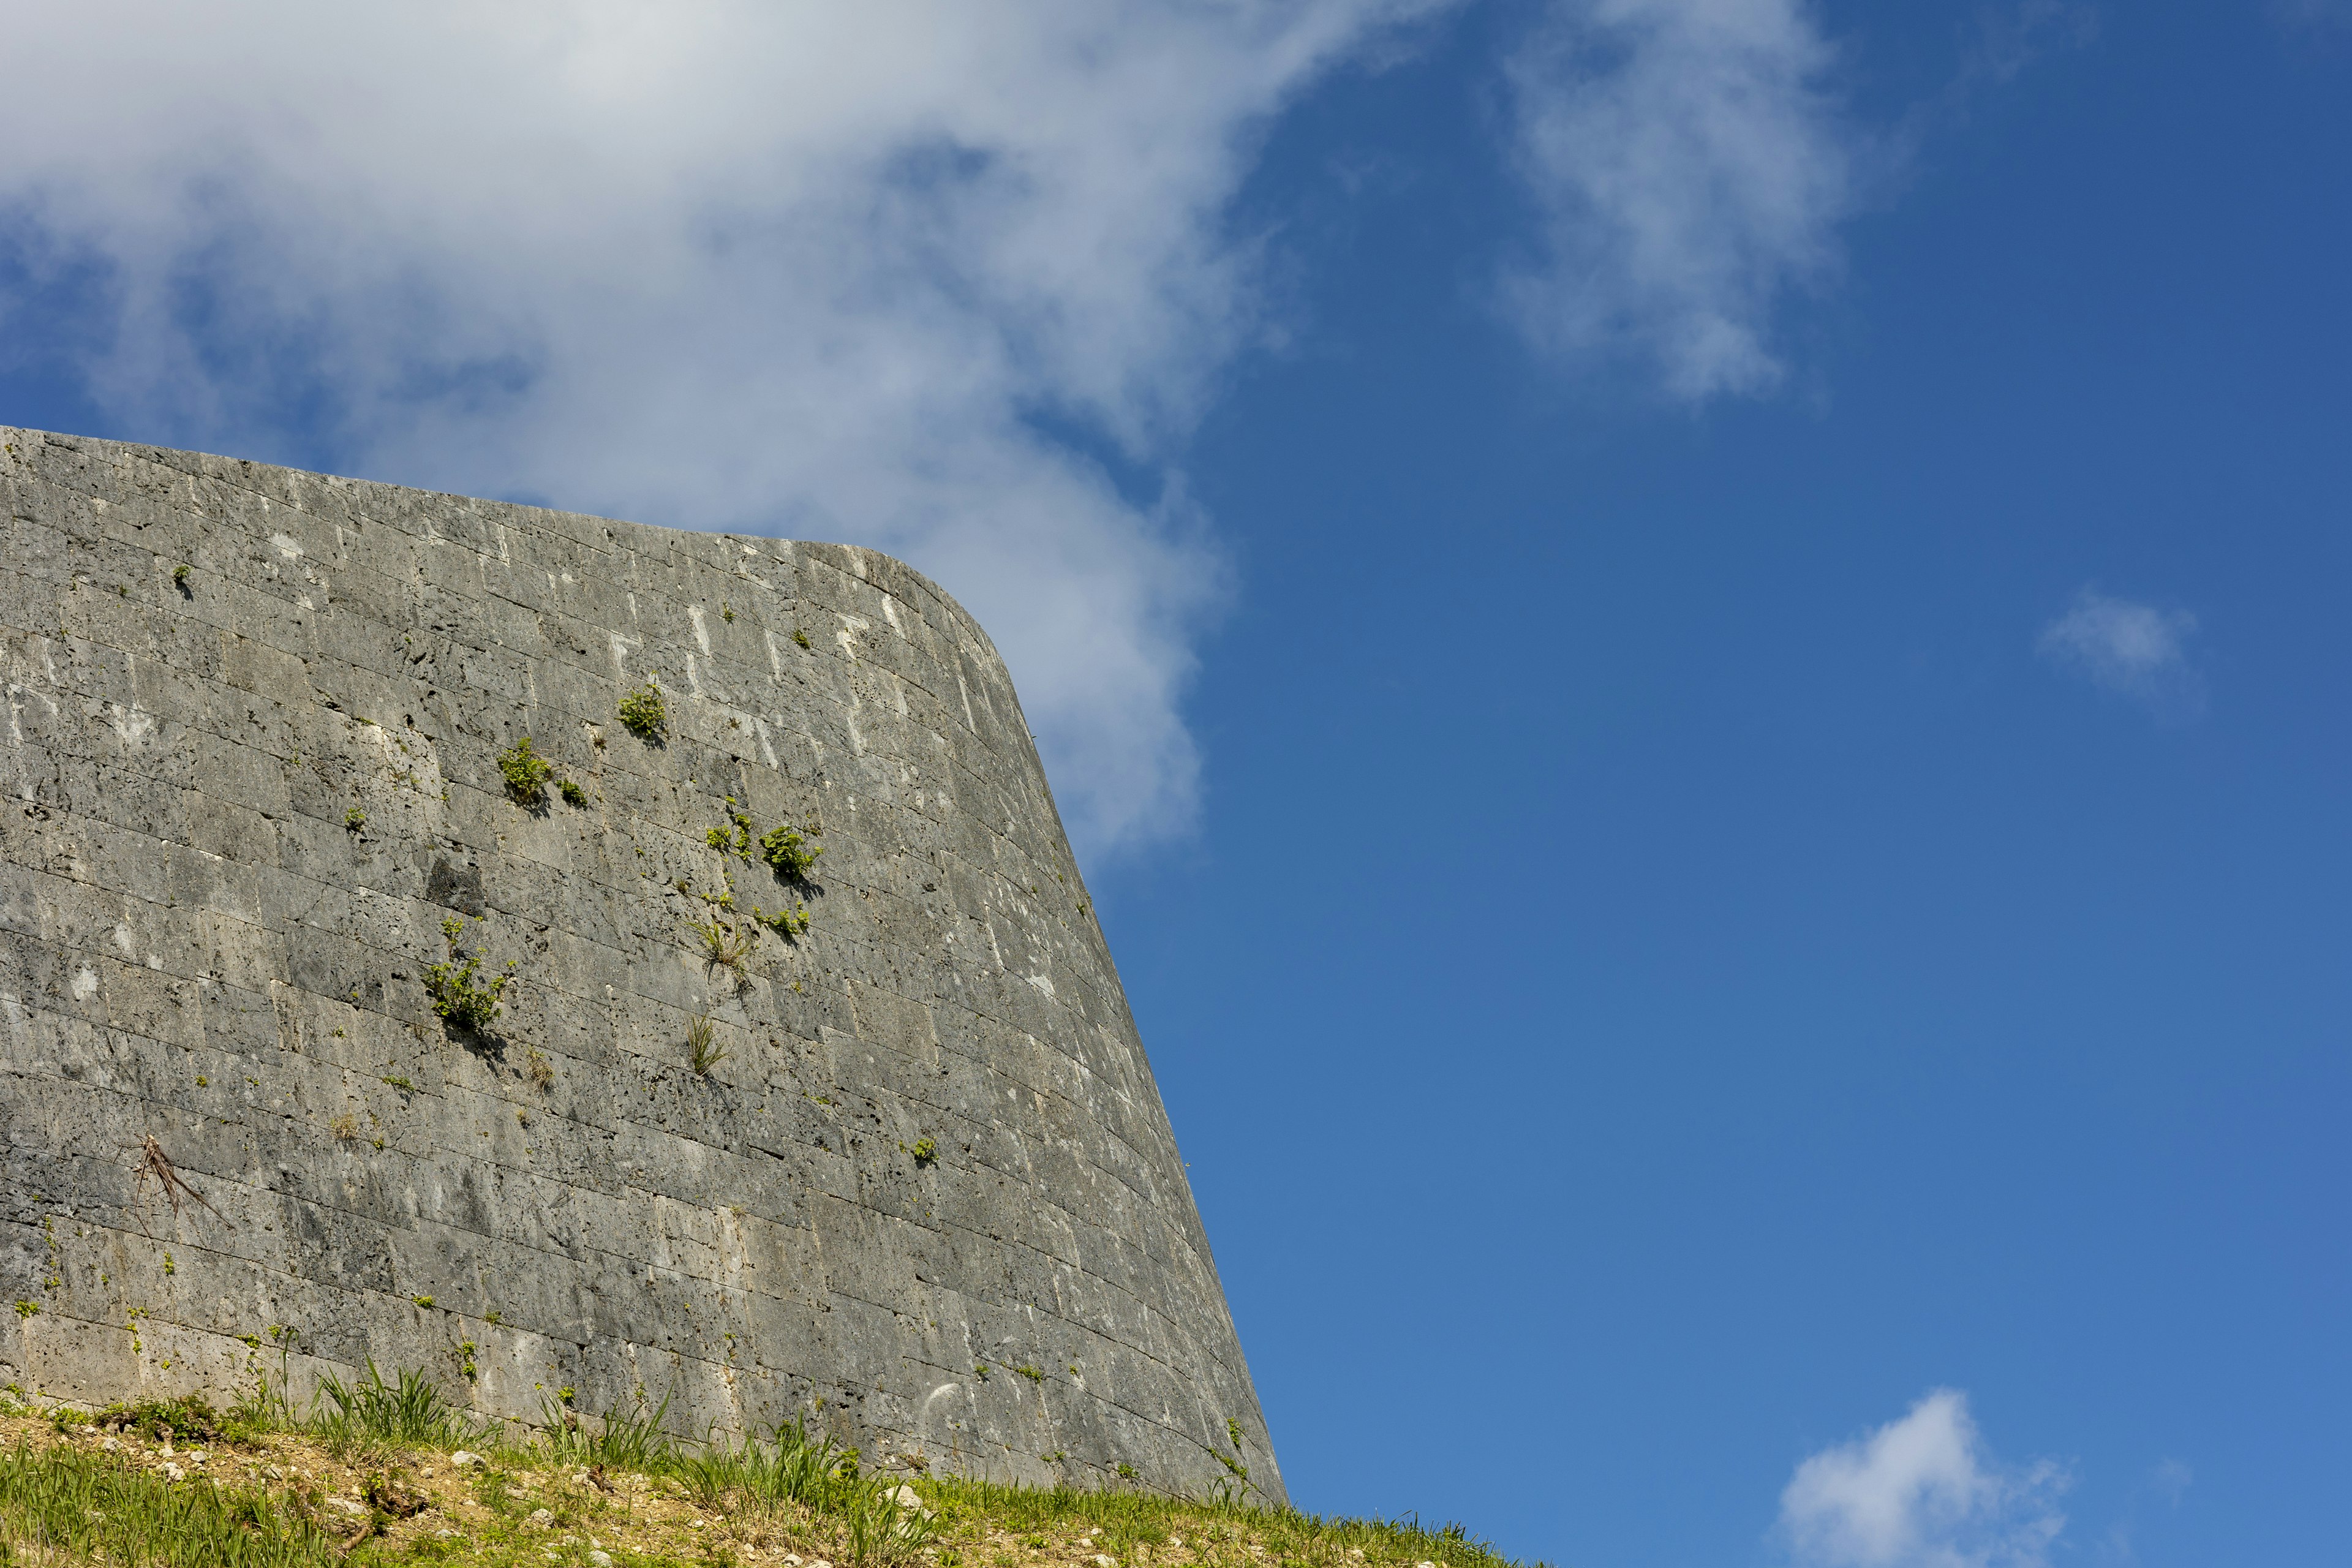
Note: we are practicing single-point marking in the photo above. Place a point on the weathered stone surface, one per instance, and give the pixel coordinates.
(202, 943)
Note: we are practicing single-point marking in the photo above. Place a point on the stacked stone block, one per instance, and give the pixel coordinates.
(927, 1199)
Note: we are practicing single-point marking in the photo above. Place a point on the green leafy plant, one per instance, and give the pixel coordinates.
(355, 819)
(456, 996)
(1033, 1373)
(572, 794)
(1234, 1430)
(525, 772)
(800, 636)
(789, 924)
(643, 713)
(703, 1050)
(732, 840)
(791, 855)
(925, 1149)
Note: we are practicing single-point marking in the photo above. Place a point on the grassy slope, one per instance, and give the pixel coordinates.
(229, 1492)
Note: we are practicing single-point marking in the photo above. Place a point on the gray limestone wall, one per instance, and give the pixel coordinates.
(248, 769)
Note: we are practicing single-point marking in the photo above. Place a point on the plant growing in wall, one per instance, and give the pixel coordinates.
(525, 772)
(790, 924)
(643, 713)
(725, 944)
(703, 1051)
(791, 855)
(456, 996)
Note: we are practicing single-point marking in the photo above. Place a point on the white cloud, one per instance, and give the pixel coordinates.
(806, 268)
(2136, 651)
(1921, 1492)
(1691, 170)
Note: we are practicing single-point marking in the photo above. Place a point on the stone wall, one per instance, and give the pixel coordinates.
(250, 770)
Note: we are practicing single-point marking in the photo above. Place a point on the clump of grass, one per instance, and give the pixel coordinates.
(371, 1415)
(725, 944)
(572, 794)
(703, 1050)
(525, 772)
(800, 636)
(59, 1506)
(644, 712)
(633, 1440)
(540, 1070)
(456, 996)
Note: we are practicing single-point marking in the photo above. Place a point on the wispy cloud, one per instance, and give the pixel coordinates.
(1691, 168)
(2136, 651)
(1921, 1492)
(809, 269)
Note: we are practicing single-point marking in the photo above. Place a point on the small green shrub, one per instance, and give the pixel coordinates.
(572, 794)
(926, 1150)
(525, 772)
(643, 713)
(180, 578)
(355, 819)
(1033, 1373)
(788, 852)
(800, 636)
(789, 924)
(455, 996)
(189, 1418)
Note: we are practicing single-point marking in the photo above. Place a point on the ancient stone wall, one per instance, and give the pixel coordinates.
(926, 1195)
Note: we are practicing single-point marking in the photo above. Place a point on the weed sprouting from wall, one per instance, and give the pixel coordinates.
(703, 1050)
(457, 997)
(791, 855)
(643, 713)
(525, 772)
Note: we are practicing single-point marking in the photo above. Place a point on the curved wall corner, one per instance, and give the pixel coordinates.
(241, 800)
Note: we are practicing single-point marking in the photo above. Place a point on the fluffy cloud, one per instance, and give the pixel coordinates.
(1920, 1492)
(808, 268)
(1691, 171)
(901, 273)
(2136, 651)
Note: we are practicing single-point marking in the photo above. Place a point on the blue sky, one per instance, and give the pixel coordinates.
(1695, 647)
